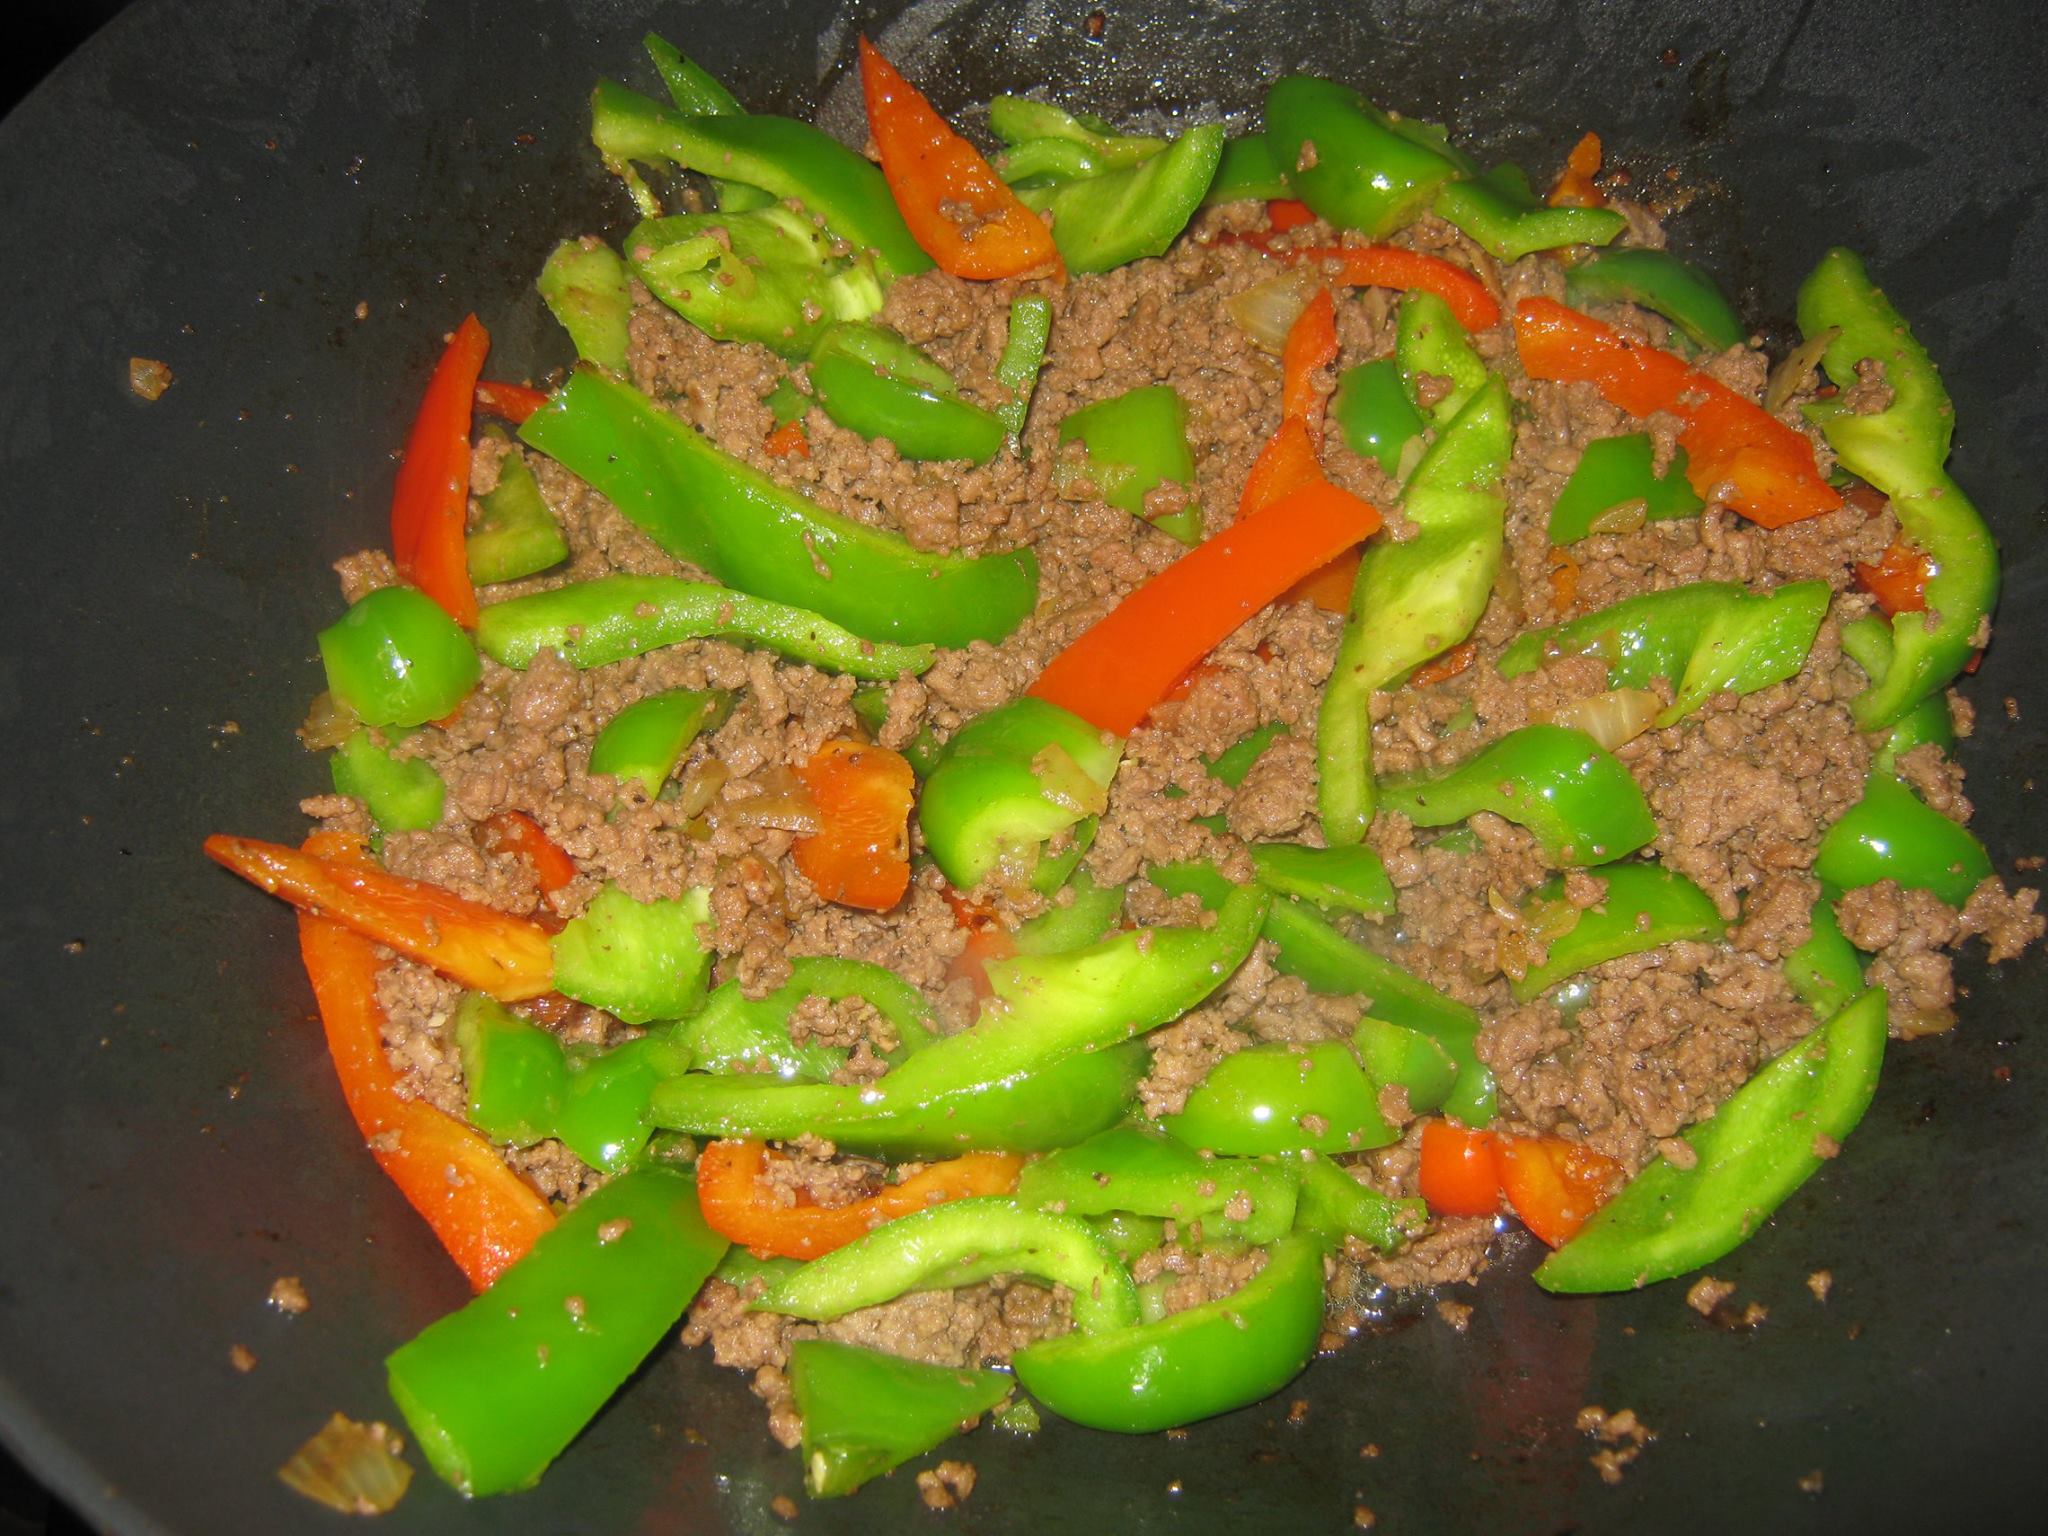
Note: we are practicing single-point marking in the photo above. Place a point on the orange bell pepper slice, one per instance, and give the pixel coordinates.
(1460, 1170)
(1311, 346)
(1444, 667)
(430, 501)
(737, 1206)
(507, 401)
(959, 210)
(1574, 187)
(1555, 1185)
(484, 949)
(788, 441)
(1119, 668)
(1736, 451)
(485, 1215)
(860, 856)
(518, 833)
(1287, 464)
(1285, 213)
(1389, 266)
(1899, 579)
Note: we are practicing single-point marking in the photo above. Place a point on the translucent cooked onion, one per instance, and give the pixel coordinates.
(1625, 517)
(1611, 718)
(782, 802)
(1066, 783)
(700, 786)
(1267, 310)
(352, 1467)
(1789, 375)
(329, 723)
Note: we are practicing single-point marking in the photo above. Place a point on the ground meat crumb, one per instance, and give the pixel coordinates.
(242, 1358)
(1297, 1411)
(1363, 1518)
(1820, 1282)
(1622, 1437)
(1811, 1482)
(946, 1486)
(1708, 1293)
(1370, 1451)
(288, 1295)
(784, 1506)
(1457, 1313)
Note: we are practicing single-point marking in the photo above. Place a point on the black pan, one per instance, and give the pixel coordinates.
(223, 185)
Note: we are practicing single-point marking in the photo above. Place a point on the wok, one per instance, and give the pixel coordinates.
(222, 185)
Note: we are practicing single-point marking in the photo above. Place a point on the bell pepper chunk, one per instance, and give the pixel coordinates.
(584, 285)
(1644, 907)
(1575, 187)
(1501, 213)
(1555, 1185)
(865, 1412)
(957, 207)
(518, 833)
(871, 381)
(1613, 471)
(1284, 1098)
(1136, 442)
(1459, 1170)
(517, 536)
(860, 854)
(696, 92)
(1356, 166)
(1660, 281)
(1103, 220)
(396, 658)
(1892, 834)
(430, 500)
(645, 741)
(508, 401)
(1375, 414)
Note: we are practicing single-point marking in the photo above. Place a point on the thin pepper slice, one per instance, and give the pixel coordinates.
(1356, 166)
(1349, 879)
(865, 1412)
(1645, 907)
(1575, 187)
(1395, 1056)
(593, 623)
(1825, 972)
(430, 500)
(584, 285)
(982, 1234)
(496, 1391)
(1612, 472)
(1902, 450)
(1414, 600)
(395, 658)
(1375, 414)
(1333, 1206)
(711, 509)
(1136, 442)
(1898, 581)
(1018, 120)
(1502, 214)
(1394, 266)
(1868, 642)
(1430, 344)
(956, 206)
(737, 1204)
(1892, 834)
(696, 92)
(1146, 1172)
(479, 946)
(1736, 452)
(400, 794)
(1311, 346)
(1668, 284)
(518, 833)
(735, 1033)
(1284, 1098)
(508, 401)
(1088, 918)
(517, 536)
(644, 741)
(1116, 216)
(871, 381)
(1234, 762)
(1555, 1185)
(1194, 1364)
(1762, 1143)
(860, 854)
(1023, 356)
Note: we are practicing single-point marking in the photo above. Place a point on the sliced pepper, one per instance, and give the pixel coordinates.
(1645, 907)
(1284, 1098)
(860, 854)
(871, 381)
(1613, 472)
(644, 741)
(1333, 1206)
(1868, 642)
(430, 499)
(1668, 284)
(698, 93)
(1146, 1172)
(1136, 442)
(1356, 166)
(517, 536)
(396, 658)
(1892, 834)
(1555, 1185)
(1018, 120)
(400, 794)
(711, 509)
(1089, 918)
(518, 833)
(865, 1412)
(1117, 216)
(1430, 343)
(1825, 972)
(1023, 356)
(639, 960)
(1351, 879)
(1375, 414)
(1246, 170)
(1507, 220)
(583, 283)
(1234, 762)
(735, 1033)
(1395, 1056)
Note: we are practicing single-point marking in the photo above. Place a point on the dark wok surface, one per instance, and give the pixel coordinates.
(220, 185)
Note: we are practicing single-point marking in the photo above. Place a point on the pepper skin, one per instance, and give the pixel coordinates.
(1117, 216)
(517, 535)
(1247, 170)
(1508, 221)
(871, 381)
(400, 794)
(735, 1033)
(1429, 341)
(1902, 451)
(1333, 1206)
(1146, 1172)
(584, 285)
(1374, 411)
(1023, 356)
(1660, 281)
(1284, 1098)
(396, 659)
(698, 93)
(1645, 908)
(1365, 170)
(758, 537)
(1612, 472)
(1136, 442)
(1891, 834)
(865, 1412)
(644, 741)
(1826, 971)
(1868, 642)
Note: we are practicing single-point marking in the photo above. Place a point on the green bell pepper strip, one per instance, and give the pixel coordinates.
(1645, 908)
(517, 536)
(1761, 1145)
(1146, 1172)
(1827, 970)
(1902, 451)
(1234, 762)
(1088, 919)
(1246, 170)
(1023, 356)
(396, 659)
(1395, 1056)
(866, 1413)
(1136, 442)
(1349, 879)
(1892, 834)
(741, 1266)
(401, 794)
(991, 1234)
(1006, 782)
(1373, 410)
(1706, 637)
(584, 285)
(1046, 1063)
(594, 623)
(1660, 281)
(1508, 221)
(524, 1085)
(1613, 471)
(698, 93)
(786, 402)
(1284, 1098)
(1868, 642)
(1581, 803)
(638, 960)
(871, 381)
(1415, 599)
(496, 1391)
(645, 740)
(711, 509)
(1129, 1233)
(1334, 1206)
(780, 155)
(1117, 216)
(1429, 340)
(1353, 164)
(1193, 1365)
(1017, 120)
(766, 276)
(1046, 163)
(735, 1033)
(1330, 963)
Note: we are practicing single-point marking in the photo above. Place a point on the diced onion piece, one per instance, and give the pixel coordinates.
(1623, 517)
(329, 723)
(1066, 783)
(1611, 718)
(1267, 310)
(700, 786)
(783, 802)
(352, 1467)
(1787, 378)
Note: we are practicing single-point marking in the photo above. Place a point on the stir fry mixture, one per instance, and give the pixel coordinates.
(1042, 777)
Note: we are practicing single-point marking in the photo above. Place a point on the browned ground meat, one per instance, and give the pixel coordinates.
(1741, 790)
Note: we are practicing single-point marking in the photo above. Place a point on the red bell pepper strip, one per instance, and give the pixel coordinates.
(1555, 1185)
(507, 401)
(860, 856)
(1736, 451)
(518, 833)
(430, 502)
(485, 1215)
(1115, 671)
(1459, 1173)
(1285, 213)
(1899, 579)
(1287, 464)
(1311, 346)
(1574, 187)
(1389, 266)
(737, 1205)
(959, 210)
(484, 949)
